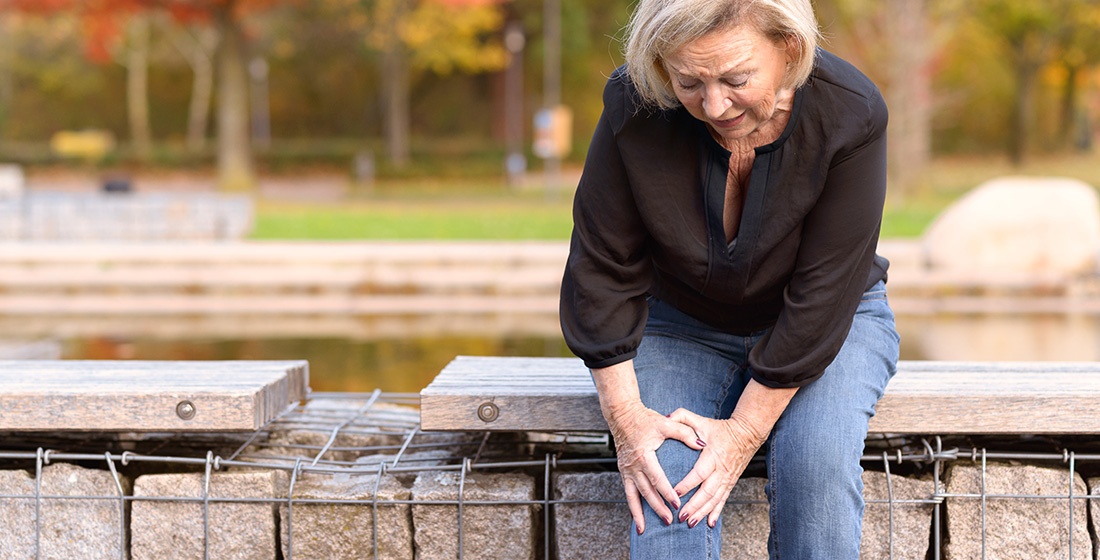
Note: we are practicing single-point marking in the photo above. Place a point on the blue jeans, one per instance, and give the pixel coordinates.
(815, 491)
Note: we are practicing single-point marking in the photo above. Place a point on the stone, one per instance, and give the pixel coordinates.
(488, 531)
(69, 527)
(1047, 226)
(1015, 527)
(591, 530)
(343, 527)
(581, 529)
(175, 529)
(745, 524)
(912, 521)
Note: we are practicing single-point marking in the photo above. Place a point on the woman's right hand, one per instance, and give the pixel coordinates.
(638, 432)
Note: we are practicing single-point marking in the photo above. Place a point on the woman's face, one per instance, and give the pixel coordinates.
(729, 78)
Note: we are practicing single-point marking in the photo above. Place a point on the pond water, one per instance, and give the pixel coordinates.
(403, 354)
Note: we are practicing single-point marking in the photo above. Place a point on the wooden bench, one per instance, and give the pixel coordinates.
(557, 394)
(147, 396)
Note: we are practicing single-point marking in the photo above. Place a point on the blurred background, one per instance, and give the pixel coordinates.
(379, 185)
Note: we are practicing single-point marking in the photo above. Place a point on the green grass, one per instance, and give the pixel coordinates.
(446, 210)
(501, 221)
(449, 209)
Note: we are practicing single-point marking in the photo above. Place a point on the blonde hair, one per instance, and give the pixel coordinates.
(659, 28)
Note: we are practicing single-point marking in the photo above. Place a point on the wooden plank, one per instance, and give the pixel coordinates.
(136, 396)
(557, 394)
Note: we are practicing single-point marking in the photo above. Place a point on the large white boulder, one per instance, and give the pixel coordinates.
(1042, 225)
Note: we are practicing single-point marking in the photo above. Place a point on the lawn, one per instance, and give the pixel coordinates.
(465, 209)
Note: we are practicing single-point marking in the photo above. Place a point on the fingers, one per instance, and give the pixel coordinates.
(648, 481)
(684, 428)
(634, 502)
(659, 481)
(710, 499)
(703, 468)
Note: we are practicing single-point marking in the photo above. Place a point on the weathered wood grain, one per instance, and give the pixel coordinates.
(557, 394)
(85, 395)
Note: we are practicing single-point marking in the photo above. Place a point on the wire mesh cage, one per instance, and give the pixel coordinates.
(353, 476)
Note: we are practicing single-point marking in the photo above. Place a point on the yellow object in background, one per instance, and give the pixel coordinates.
(553, 132)
(90, 145)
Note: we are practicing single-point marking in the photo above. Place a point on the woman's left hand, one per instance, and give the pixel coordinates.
(731, 444)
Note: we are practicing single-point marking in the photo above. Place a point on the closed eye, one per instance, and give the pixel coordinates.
(687, 85)
(737, 84)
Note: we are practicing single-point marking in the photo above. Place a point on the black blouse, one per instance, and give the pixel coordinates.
(648, 220)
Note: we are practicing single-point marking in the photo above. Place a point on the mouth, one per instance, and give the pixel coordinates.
(729, 123)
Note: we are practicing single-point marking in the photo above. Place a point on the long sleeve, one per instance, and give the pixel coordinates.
(603, 307)
(838, 241)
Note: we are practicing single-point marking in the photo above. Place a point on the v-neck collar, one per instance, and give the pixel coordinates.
(735, 258)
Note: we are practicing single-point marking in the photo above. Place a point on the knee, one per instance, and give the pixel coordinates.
(676, 460)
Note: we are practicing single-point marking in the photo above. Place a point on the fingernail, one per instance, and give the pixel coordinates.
(675, 505)
(692, 524)
(683, 517)
(710, 523)
(679, 493)
(669, 415)
(700, 442)
(639, 529)
(667, 521)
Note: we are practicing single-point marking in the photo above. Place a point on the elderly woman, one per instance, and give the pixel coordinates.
(722, 282)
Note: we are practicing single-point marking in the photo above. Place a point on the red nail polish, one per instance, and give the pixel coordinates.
(679, 493)
(700, 442)
(669, 415)
(683, 517)
(667, 521)
(639, 529)
(692, 524)
(675, 505)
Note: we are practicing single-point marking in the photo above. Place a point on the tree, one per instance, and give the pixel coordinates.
(1077, 49)
(437, 36)
(102, 27)
(1027, 31)
(197, 44)
(894, 44)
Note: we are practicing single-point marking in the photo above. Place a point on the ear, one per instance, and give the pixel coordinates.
(793, 49)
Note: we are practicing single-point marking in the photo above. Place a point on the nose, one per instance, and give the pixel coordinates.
(715, 103)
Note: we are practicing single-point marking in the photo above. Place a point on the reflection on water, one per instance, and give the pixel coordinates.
(405, 359)
(1033, 337)
(335, 364)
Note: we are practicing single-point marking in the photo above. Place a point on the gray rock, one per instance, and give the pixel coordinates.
(912, 522)
(1015, 527)
(591, 530)
(338, 529)
(175, 529)
(745, 523)
(489, 531)
(1018, 225)
(69, 528)
(582, 528)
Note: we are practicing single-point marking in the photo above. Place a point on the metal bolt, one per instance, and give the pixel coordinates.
(185, 410)
(488, 412)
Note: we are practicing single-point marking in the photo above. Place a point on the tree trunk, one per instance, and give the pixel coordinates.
(137, 88)
(1068, 122)
(395, 90)
(1026, 72)
(7, 87)
(909, 95)
(234, 151)
(396, 118)
(198, 50)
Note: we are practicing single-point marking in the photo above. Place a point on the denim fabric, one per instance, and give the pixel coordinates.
(814, 489)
